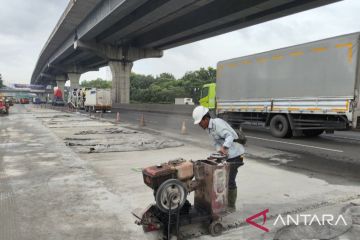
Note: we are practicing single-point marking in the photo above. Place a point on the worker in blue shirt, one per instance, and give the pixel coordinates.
(223, 135)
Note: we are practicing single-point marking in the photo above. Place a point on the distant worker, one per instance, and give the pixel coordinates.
(223, 135)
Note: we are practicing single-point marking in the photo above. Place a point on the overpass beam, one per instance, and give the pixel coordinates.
(120, 71)
(45, 75)
(115, 53)
(74, 80)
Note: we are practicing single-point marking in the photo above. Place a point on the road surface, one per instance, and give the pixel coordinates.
(53, 186)
(326, 154)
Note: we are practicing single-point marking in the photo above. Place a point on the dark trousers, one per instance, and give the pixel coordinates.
(235, 163)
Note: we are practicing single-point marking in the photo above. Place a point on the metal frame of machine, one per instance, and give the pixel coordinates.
(172, 182)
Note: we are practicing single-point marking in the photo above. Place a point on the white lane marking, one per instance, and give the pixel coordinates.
(347, 138)
(297, 144)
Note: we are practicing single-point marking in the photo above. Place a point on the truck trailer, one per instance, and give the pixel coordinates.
(308, 88)
(4, 106)
(98, 100)
(58, 99)
(184, 101)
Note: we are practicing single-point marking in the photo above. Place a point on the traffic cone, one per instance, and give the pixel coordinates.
(117, 117)
(183, 128)
(142, 120)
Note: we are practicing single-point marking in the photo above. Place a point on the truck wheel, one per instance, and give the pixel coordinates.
(280, 127)
(313, 132)
(215, 228)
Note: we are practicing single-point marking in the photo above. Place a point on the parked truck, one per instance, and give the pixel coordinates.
(98, 100)
(4, 106)
(184, 101)
(58, 99)
(308, 88)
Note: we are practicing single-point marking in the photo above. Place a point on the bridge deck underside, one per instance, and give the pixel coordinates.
(163, 24)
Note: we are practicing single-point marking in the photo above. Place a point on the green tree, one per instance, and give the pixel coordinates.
(165, 87)
(97, 83)
(139, 81)
(193, 81)
(159, 89)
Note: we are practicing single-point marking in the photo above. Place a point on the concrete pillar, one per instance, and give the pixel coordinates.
(120, 61)
(120, 71)
(74, 80)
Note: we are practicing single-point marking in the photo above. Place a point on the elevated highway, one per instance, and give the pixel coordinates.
(96, 33)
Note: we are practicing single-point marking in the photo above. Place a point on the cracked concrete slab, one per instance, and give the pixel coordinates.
(105, 137)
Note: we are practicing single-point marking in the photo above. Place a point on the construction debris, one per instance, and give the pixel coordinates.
(106, 131)
(140, 146)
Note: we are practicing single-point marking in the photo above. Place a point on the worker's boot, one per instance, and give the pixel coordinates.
(232, 194)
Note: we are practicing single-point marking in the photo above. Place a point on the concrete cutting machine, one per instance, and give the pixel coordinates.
(172, 182)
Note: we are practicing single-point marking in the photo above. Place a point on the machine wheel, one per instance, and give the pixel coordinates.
(280, 127)
(170, 194)
(313, 132)
(215, 228)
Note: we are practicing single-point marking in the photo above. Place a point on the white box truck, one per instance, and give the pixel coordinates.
(184, 101)
(98, 100)
(308, 88)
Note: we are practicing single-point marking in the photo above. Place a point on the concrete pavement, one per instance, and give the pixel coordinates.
(314, 156)
(53, 191)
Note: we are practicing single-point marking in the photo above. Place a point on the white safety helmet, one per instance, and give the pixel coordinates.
(198, 113)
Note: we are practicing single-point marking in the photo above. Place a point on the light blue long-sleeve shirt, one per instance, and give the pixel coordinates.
(223, 135)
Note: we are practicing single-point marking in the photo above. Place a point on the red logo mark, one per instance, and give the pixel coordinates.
(263, 213)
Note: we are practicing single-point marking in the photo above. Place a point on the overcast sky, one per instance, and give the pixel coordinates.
(25, 26)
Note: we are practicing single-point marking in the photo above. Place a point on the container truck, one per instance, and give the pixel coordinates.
(24, 101)
(58, 99)
(184, 101)
(98, 100)
(36, 100)
(4, 106)
(308, 88)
